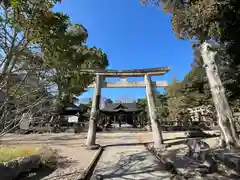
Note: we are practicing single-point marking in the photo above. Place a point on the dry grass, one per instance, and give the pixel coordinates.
(48, 156)
(10, 153)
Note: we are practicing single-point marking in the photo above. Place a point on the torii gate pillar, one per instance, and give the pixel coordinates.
(123, 74)
(155, 123)
(91, 138)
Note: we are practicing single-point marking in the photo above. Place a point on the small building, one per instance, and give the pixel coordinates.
(65, 117)
(72, 114)
(121, 113)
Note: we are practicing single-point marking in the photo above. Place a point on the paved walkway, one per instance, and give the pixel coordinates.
(129, 162)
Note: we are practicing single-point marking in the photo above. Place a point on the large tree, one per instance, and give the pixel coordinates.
(217, 21)
(41, 55)
(24, 28)
(161, 107)
(66, 55)
(142, 105)
(175, 99)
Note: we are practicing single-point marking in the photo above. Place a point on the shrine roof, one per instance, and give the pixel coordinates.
(120, 107)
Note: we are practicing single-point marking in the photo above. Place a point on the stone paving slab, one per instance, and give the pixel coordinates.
(231, 158)
(129, 162)
(189, 167)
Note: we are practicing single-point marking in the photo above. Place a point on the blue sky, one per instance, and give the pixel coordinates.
(133, 36)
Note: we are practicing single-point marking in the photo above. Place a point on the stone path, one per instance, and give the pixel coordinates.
(189, 167)
(129, 162)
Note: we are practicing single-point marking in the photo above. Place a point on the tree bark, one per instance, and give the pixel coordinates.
(224, 113)
(155, 123)
(221, 142)
(91, 137)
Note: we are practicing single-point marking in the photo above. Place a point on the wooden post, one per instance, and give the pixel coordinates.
(91, 137)
(155, 123)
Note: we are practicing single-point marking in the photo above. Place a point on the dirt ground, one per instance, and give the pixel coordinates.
(71, 147)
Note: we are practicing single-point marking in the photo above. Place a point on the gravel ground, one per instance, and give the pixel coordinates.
(75, 158)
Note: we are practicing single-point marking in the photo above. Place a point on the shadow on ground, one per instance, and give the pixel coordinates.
(189, 167)
(131, 165)
(229, 158)
(184, 137)
(43, 171)
(36, 174)
(125, 144)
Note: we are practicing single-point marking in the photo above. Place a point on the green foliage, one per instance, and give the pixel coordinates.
(202, 20)
(47, 47)
(196, 88)
(175, 98)
(142, 105)
(67, 56)
(25, 26)
(161, 106)
(192, 91)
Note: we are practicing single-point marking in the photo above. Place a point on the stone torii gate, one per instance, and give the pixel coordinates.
(123, 83)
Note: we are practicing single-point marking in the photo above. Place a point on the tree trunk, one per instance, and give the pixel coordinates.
(222, 142)
(224, 113)
(91, 137)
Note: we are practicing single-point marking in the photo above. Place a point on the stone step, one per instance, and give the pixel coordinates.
(192, 169)
(229, 159)
(183, 164)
